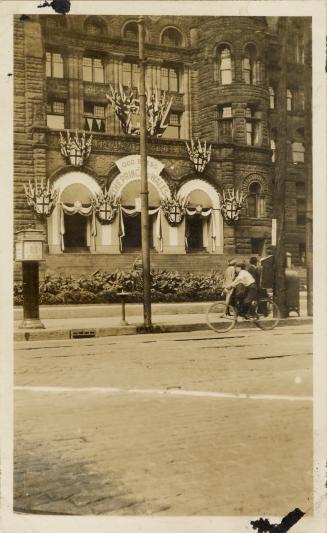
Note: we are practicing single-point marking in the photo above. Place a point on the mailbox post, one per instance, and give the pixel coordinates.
(29, 250)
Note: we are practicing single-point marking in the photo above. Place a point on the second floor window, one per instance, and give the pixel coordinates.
(56, 115)
(94, 117)
(131, 75)
(300, 203)
(225, 124)
(93, 70)
(169, 79)
(251, 65)
(173, 130)
(54, 65)
(252, 127)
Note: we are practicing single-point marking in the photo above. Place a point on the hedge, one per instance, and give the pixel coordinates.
(102, 288)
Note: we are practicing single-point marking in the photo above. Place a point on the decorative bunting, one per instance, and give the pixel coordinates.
(41, 198)
(127, 108)
(199, 155)
(76, 149)
(174, 209)
(232, 204)
(105, 206)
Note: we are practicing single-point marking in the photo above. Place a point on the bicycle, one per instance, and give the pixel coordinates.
(222, 317)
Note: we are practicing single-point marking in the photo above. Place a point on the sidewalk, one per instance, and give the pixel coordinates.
(68, 322)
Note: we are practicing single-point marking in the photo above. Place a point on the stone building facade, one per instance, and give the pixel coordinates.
(222, 73)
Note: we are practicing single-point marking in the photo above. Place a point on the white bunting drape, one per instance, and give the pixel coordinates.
(74, 210)
(132, 213)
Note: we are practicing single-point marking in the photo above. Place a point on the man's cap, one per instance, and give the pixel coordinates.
(240, 264)
(232, 262)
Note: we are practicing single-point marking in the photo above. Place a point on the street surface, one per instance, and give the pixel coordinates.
(171, 424)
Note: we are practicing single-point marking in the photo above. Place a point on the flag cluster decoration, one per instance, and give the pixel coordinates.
(232, 204)
(199, 154)
(75, 149)
(105, 206)
(41, 197)
(174, 209)
(126, 106)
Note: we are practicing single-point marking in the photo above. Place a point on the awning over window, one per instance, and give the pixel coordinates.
(197, 197)
(133, 190)
(76, 193)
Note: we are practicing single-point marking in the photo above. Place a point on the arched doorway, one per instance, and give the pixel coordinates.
(70, 227)
(203, 224)
(127, 187)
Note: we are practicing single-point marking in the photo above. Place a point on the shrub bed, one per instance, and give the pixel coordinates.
(103, 288)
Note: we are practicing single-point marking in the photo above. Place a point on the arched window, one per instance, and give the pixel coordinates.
(251, 65)
(171, 37)
(224, 60)
(255, 201)
(131, 31)
(299, 49)
(271, 98)
(94, 26)
(289, 100)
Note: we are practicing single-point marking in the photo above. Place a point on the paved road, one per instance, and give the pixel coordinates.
(173, 424)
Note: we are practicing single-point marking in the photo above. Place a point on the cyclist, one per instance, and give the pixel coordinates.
(245, 290)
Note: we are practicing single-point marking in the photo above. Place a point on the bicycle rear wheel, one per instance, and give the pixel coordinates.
(269, 314)
(221, 318)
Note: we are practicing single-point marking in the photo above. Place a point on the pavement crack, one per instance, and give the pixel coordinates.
(278, 356)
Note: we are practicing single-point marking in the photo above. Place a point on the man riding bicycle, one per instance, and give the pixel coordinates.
(244, 291)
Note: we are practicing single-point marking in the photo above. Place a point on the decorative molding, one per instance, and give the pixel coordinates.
(255, 177)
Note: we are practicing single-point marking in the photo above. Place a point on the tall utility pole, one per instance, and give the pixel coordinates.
(281, 170)
(145, 228)
(308, 165)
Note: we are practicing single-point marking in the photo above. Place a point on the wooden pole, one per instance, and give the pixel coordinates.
(145, 229)
(281, 170)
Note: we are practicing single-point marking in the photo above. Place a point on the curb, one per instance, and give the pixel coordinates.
(64, 334)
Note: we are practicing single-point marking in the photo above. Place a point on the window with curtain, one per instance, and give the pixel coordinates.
(256, 207)
(224, 58)
(56, 115)
(225, 124)
(54, 65)
(172, 37)
(169, 79)
(93, 70)
(131, 75)
(94, 117)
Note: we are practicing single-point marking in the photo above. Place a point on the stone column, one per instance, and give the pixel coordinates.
(74, 61)
(239, 123)
(154, 66)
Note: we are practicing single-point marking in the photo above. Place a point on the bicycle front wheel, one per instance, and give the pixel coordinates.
(220, 317)
(269, 314)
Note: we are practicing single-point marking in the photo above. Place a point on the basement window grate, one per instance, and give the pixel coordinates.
(82, 333)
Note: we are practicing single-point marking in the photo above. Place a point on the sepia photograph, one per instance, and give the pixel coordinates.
(163, 255)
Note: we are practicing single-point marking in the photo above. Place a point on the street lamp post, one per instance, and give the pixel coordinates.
(145, 234)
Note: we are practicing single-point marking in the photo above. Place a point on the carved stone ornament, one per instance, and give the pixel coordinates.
(174, 209)
(75, 149)
(199, 155)
(105, 207)
(231, 205)
(41, 197)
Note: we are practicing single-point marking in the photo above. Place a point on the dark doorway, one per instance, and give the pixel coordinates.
(75, 233)
(194, 233)
(133, 240)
